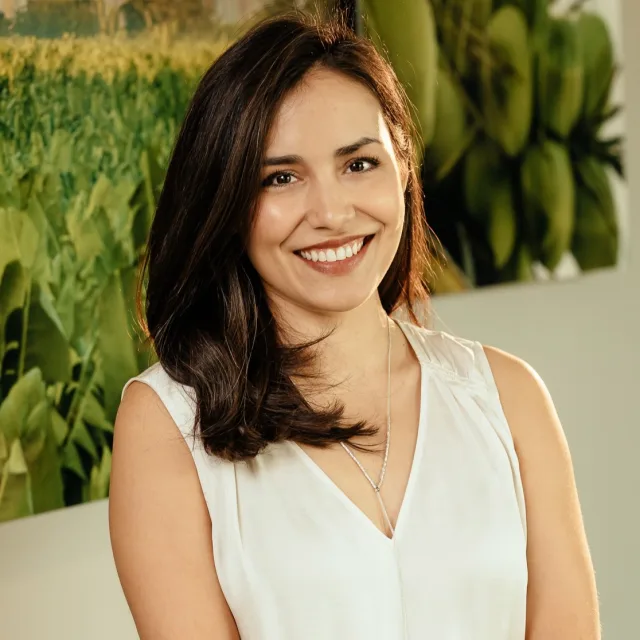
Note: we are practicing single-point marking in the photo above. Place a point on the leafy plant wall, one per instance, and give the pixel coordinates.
(511, 99)
(86, 126)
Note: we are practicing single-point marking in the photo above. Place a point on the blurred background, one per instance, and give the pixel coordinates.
(525, 111)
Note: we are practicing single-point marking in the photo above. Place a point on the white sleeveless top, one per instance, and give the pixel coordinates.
(297, 560)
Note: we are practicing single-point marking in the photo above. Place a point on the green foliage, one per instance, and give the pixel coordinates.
(515, 172)
(548, 197)
(595, 241)
(405, 33)
(85, 132)
(506, 80)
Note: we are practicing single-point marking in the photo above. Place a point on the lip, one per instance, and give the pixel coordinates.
(335, 243)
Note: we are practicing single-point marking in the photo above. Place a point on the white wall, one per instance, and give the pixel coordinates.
(57, 579)
(583, 337)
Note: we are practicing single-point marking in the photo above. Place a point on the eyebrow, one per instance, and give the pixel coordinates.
(339, 153)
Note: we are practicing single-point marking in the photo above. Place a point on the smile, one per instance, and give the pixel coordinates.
(340, 260)
(335, 254)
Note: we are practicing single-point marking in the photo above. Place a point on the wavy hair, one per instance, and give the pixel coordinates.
(205, 308)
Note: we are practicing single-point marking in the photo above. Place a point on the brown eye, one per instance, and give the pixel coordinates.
(278, 179)
(361, 164)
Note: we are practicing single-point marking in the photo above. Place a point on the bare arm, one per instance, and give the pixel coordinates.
(160, 527)
(562, 601)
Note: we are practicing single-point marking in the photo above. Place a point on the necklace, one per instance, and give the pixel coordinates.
(377, 486)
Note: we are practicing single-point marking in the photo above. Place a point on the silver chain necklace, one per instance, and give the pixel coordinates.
(377, 486)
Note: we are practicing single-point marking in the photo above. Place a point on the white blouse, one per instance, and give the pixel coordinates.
(297, 560)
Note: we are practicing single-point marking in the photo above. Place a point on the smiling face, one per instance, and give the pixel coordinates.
(331, 208)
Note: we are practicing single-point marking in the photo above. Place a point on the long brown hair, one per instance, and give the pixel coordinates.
(206, 308)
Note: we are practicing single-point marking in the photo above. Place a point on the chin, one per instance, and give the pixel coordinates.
(337, 301)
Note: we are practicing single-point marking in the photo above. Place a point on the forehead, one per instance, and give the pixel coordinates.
(326, 111)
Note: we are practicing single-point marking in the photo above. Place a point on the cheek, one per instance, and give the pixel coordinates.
(385, 201)
(273, 224)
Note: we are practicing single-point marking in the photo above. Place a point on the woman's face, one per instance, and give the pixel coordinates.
(331, 209)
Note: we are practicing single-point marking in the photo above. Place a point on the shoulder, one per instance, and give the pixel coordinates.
(456, 357)
(153, 390)
(525, 399)
(148, 415)
(148, 433)
(538, 435)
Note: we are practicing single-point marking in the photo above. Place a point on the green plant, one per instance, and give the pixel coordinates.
(515, 162)
(86, 127)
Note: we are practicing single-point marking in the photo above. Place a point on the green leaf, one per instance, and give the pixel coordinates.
(85, 323)
(22, 399)
(71, 460)
(595, 243)
(116, 345)
(31, 476)
(15, 490)
(18, 239)
(142, 218)
(144, 196)
(49, 191)
(65, 303)
(25, 186)
(61, 151)
(453, 135)
(4, 450)
(519, 267)
(536, 12)
(100, 475)
(114, 200)
(47, 348)
(507, 88)
(407, 30)
(145, 355)
(93, 413)
(59, 426)
(13, 290)
(80, 435)
(47, 302)
(36, 429)
(46, 471)
(484, 168)
(86, 238)
(37, 149)
(42, 263)
(598, 61)
(502, 224)
(9, 192)
(16, 464)
(100, 195)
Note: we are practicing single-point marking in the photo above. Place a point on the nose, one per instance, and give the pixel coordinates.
(329, 205)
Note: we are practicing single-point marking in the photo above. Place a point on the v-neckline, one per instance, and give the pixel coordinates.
(415, 462)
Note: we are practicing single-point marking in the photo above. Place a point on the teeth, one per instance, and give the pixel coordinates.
(334, 255)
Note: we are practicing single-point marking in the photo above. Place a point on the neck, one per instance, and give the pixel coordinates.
(355, 350)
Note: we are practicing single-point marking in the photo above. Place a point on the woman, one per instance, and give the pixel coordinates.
(300, 465)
